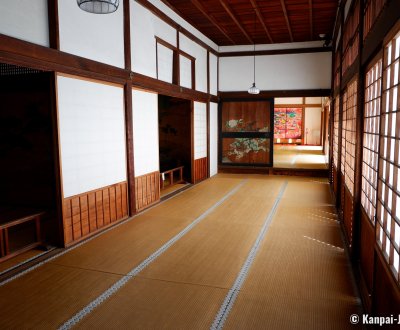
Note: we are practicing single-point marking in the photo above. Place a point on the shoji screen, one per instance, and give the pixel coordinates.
(388, 208)
(344, 116)
(350, 135)
(372, 106)
(336, 124)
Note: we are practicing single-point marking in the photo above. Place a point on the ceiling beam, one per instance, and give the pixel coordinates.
(234, 18)
(200, 7)
(310, 4)
(287, 20)
(258, 12)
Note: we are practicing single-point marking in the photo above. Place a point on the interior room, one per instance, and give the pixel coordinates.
(169, 164)
(299, 133)
(28, 194)
(175, 142)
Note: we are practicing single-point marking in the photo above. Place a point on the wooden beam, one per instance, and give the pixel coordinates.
(129, 148)
(287, 19)
(277, 52)
(161, 15)
(127, 36)
(310, 4)
(200, 7)
(260, 17)
(54, 34)
(19, 52)
(234, 18)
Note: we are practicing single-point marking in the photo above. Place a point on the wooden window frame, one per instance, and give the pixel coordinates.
(372, 112)
(388, 199)
(175, 62)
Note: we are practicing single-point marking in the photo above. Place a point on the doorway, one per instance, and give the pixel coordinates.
(175, 142)
(28, 190)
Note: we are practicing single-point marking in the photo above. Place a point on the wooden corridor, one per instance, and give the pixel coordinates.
(299, 277)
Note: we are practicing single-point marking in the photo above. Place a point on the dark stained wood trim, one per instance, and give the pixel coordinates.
(287, 19)
(277, 52)
(214, 98)
(208, 139)
(162, 87)
(203, 10)
(167, 44)
(130, 157)
(310, 4)
(261, 19)
(277, 93)
(56, 156)
(234, 18)
(193, 73)
(127, 36)
(19, 52)
(54, 31)
(192, 141)
(350, 73)
(146, 4)
(208, 72)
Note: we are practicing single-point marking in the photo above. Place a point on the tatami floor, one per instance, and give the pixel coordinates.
(299, 156)
(234, 252)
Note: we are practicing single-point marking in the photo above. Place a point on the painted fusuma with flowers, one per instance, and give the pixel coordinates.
(251, 123)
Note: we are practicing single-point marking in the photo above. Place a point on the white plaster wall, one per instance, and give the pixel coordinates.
(168, 11)
(200, 54)
(200, 130)
(347, 8)
(145, 132)
(314, 100)
(213, 74)
(276, 72)
(185, 74)
(144, 28)
(213, 138)
(312, 124)
(92, 135)
(288, 100)
(165, 58)
(97, 37)
(26, 20)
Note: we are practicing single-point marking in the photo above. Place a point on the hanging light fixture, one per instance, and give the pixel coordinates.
(253, 89)
(98, 6)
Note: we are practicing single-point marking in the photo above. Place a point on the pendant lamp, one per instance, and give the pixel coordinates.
(253, 89)
(98, 6)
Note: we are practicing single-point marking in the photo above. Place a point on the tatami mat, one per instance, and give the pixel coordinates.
(149, 304)
(299, 280)
(47, 296)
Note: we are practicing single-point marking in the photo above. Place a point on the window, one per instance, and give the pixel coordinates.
(350, 135)
(369, 181)
(343, 149)
(336, 132)
(388, 205)
(174, 65)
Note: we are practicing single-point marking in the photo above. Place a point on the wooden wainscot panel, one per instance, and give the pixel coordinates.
(92, 211)
(386, 297)
(200, 169)
(367, 259)
(147, 190)
(348, 218)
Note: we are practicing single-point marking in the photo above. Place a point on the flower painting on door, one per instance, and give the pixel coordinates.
(246, 128)
(288, 123)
